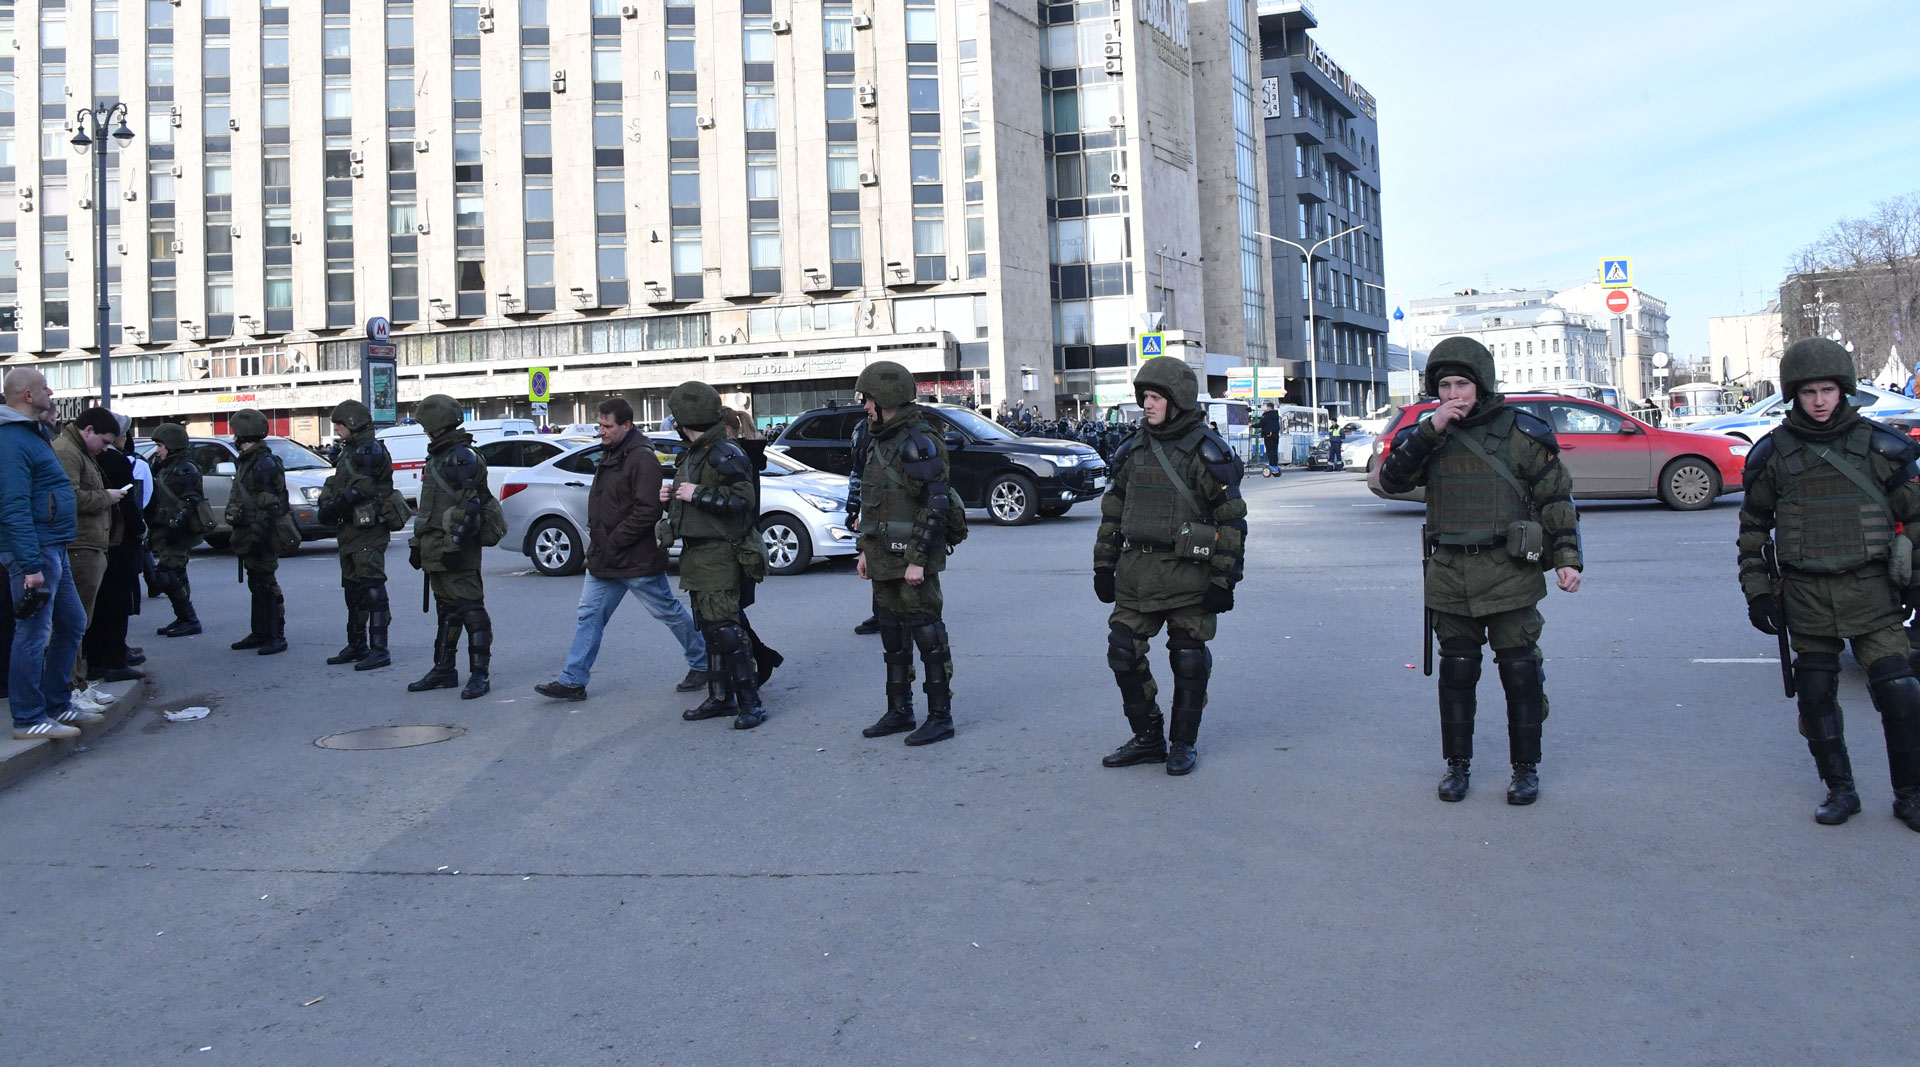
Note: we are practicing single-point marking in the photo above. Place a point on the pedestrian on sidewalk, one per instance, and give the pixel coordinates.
(98, 523)
(1270, 434)
(623, 557)
(37, 523)
(104, 649)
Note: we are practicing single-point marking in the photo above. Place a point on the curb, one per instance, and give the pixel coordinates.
(19, 759)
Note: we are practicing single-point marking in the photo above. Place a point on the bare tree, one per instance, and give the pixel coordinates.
(1859, 283)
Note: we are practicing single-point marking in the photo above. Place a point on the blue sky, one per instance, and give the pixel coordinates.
(1521, 142)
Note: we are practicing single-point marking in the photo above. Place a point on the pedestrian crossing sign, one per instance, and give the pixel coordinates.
(1616, 273)
(1153, 344)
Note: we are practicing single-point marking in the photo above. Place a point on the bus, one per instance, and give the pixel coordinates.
(1698, 402)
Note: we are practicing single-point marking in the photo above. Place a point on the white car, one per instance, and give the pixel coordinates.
(803, 512)
(505, 447)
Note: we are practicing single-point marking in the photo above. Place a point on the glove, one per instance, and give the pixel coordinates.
(413, 556)
(1219, 599)
(1763, 612)
(262, 533)
(329, 510)
(1103, 584)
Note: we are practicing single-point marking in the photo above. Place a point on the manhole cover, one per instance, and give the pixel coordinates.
(390, 737)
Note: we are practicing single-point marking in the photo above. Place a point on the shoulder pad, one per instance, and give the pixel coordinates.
(266, 463)
(1757, 459)
(1896, 447)
(917, 444)
(370, 451)
(460, 466)
(730, 459)
(1220, 460)
(1537, 428)
(1124, 449)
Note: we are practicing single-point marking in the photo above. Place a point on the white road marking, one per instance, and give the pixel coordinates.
(1293, 505)
(1759, 659)
(1382, 504)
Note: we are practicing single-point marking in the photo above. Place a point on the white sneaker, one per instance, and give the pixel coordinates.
(99, 696)
(44, 728)
(80, 700)
(78, 716)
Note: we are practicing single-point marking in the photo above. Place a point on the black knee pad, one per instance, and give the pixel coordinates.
(1816, 675)
(893, 638)
(1888, 669)
(374, 597)
(930, 636)
(1123, 654)
(1190, 664)
(1459, 663)
(1519, 666)
(726, 638)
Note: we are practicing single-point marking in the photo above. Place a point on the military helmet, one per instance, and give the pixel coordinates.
(887, 384)
(1816, 359)
(352, 414)
(1170, 377)
(248, 424)
(438, 413)
(1465, 357)
(694, 405)
(171, 434)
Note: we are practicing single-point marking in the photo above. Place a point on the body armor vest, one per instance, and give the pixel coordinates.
(694, 522)
(243, 503)
(170, 502)
(1467, 502)
(1155, 509)
(1824, 523)
(886, 493)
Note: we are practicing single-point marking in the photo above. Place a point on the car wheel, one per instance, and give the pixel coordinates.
(555, 547)
(789, 548)
(1010, 500)
(1689, 484)
(1054, 511)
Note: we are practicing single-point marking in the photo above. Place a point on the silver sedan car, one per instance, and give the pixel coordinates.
(803, 512)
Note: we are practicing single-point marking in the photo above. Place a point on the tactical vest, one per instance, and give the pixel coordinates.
(1824, 524)
(1155, 508)
(1468, 503)
(886, 493)
(243, 502)
(170, 502)
(694, 522)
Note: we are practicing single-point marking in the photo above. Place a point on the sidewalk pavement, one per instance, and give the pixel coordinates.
(21, 758)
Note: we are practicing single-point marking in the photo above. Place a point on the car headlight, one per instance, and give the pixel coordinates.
(1040, 465)
(823, 503)
(1071, 459)
(1740, 450)
(310, 494)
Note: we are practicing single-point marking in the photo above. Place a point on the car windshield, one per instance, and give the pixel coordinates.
(293, 457)
(984, 429)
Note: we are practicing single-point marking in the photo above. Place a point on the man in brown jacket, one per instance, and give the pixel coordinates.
(96, 504)
(623, 556)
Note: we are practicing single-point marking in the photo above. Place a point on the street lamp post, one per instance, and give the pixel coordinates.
(96, 120)
(1313, 353)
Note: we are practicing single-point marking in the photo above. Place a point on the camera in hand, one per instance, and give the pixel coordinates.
(29, 603)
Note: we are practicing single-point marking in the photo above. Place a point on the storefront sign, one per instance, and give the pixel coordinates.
(1167, 16)
(1319, 58)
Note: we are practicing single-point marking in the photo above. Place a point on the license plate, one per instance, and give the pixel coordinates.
(1100, 483)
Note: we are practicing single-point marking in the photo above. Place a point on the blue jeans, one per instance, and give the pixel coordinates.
(600, 596)
(45, 644)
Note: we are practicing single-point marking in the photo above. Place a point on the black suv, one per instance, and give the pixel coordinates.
(1014, 478)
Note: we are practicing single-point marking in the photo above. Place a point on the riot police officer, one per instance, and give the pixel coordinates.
(358, 498)
(177, 518)
(1829, 486)
(910, 519)
(457, 517)
(712, 508)
(255, 507)
(1499, 512)
(1169, 553)
(871, 625)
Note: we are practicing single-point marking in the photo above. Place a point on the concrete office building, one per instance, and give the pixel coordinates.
(767, 194)
(1427, 318)
(1536, 344)
(1323, 176)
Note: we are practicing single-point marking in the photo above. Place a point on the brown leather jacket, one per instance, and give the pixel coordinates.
(622, 508)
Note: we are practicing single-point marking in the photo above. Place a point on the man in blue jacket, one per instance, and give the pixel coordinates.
(37, 521)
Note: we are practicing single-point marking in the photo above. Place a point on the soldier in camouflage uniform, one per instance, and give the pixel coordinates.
(1169, 552)
(457, 517)
(711, 509)
(1499, 512)
(255, 505)
(173, 522)
(909, 520)
(356, 498)
(1830, 487)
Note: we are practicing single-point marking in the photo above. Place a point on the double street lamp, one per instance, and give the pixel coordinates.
(1313, 353)
(90, 132)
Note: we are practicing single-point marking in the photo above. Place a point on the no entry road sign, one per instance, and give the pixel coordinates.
(1617, 302)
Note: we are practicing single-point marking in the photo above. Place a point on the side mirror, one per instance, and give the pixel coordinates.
(1628, 429)
(225, 469)
(955, 442)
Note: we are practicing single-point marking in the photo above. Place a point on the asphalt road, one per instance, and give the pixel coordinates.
(603, 883)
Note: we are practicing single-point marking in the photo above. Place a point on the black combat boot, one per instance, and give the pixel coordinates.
(479, 653)
(276, 612)
(1521, 676)
(1191, 669)
(899, 659)
(356, 649)
(719, 682)
(379, 617)
(1816, 677)
(1459, 677)
(179, 594)
(259, 627)
(1896, 693)
(1137, 691)
(446, 645)
(936, 657)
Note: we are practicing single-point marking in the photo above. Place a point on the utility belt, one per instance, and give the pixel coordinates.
(1873, 568)
(1443, 549)
(1194, 542)
(1524, 541)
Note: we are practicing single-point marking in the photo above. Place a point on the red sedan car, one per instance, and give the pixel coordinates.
(1611, 455)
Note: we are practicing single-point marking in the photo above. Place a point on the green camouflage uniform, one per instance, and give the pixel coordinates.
(1477, 591)
(357, 497)
(1828, 496)
(1169, 552)
(255, 505)
(175, 523)
(456, 518)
